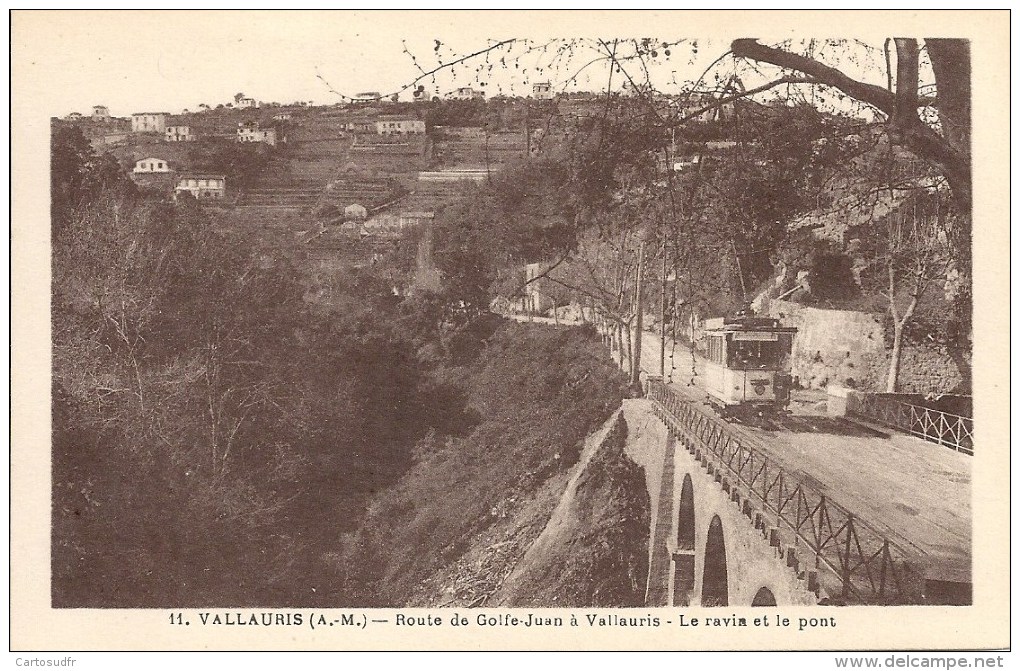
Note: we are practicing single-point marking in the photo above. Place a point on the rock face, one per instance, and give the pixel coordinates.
(932, 369)
(831, 346)
(592, 553)
(533, 458)
(847, 348)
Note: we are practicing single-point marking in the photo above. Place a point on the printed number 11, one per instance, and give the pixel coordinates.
(176, 618)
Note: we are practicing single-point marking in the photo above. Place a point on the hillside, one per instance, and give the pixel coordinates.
(456, 525)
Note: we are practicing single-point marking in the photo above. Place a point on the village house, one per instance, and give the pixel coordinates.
(534, 300)
(382, 224)
(542, 91)
(149, 122)
(75, 116)
(100, 113)
(247, 103)
(178, 134)
(366, 97)
(355, 212)
(202, 187)
(394, 224)
(415, 219)
(397, 125)
(360, 126)
(282, 116)
(151, 164)
(249, 131)
(350, 228)
(467, 93)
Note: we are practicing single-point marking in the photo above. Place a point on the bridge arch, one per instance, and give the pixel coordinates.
(683, 557)
(685, 516)
(714, 578)
(764, 597)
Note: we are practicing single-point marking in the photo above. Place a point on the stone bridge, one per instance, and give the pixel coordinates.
(731, 526)
(703, 548)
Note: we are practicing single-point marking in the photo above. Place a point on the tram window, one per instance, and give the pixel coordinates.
(751, 354)
(715, 349)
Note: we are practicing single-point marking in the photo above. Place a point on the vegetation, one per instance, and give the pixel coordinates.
(209, 430)
(214, 435)
(536, 394)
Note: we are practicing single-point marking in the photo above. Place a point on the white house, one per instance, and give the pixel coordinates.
(151, 164)
(367, 97)
(542, 91)
(396, 223)
(100, 113)
(414, 219)
(149, 122)
(355, 212)
(399, 126)
(534, 299)
(203, 187)
(360, 126)
(467, 93)
(249, 131)
(282, 116)
(178, 134)
(247, 103)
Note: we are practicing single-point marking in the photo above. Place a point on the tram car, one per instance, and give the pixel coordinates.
(748, 364)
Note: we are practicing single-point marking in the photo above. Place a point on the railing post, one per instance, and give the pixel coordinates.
(846, 557)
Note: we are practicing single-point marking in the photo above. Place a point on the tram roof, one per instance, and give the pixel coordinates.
(759, 324)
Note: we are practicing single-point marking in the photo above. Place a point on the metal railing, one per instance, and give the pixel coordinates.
(869, 567)
(935, 426)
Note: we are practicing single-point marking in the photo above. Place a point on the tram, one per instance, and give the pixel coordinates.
(748, 364)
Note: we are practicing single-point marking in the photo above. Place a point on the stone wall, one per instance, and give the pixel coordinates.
(848, 348)
(832, 346)
(929, 369)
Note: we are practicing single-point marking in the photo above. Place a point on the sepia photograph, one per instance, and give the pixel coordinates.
(411, 319)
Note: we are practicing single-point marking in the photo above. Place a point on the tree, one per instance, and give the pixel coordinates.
(910, 257)
(945, 141)
(79, 175)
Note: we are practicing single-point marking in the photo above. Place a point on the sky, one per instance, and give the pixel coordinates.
(135, 61)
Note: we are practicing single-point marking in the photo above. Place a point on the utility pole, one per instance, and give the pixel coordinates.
(662, 316)
(527, 130)
(635, 373)
(740, 272)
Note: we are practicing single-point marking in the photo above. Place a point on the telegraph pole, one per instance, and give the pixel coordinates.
(527, 130)
(740, 272)
(662, 317)
(635, 373)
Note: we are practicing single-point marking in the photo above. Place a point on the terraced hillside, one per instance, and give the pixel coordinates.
(297, 177)
(473, 148)
(389, 155)
(431, 196)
